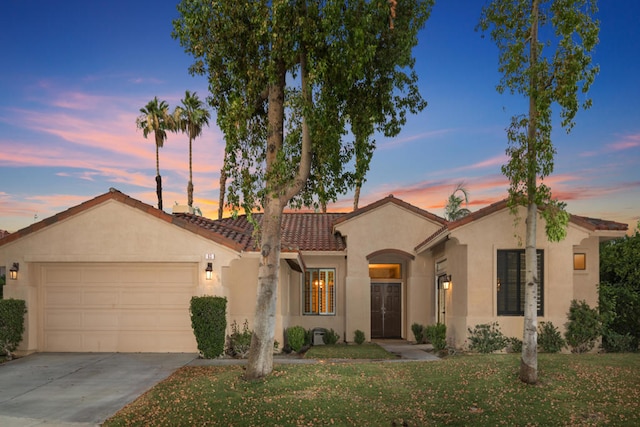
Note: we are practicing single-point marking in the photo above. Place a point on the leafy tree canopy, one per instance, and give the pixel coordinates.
(355, 60)
(545, 49)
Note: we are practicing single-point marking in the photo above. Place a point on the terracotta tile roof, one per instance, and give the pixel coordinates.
(594, 224)
(591, 224)
(300, 231)
(3, 233)
(391, 199)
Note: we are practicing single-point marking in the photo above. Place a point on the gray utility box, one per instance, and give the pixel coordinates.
(318, 336)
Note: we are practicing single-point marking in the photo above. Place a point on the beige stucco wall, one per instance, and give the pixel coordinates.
(296, 316)
(387, 227)
(584, 281)
(480, 240)
(240, 282)
(109, 232)
(457, 297)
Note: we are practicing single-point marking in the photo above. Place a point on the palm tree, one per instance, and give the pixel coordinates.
(453, 211)
(193, 116)
(155, 118)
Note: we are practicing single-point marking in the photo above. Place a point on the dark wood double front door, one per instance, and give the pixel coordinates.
(386, 310)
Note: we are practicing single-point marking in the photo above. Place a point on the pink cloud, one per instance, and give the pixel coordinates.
(433, 195)
(401, 141)
(626, 142)
(492, 162)
(105, 141)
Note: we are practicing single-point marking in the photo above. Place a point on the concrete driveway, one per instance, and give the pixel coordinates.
(78, 389)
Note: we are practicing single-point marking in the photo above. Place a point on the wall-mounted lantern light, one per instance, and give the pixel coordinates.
(446, 283)
(13, 272)
(208, 271)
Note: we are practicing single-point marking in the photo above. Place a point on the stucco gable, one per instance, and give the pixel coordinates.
(114, 195)
(390, 200)
(596, 226)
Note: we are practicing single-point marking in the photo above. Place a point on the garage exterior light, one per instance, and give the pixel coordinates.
(13, 272)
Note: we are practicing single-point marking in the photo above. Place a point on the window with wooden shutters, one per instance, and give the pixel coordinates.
(319, 293)
(511, 282)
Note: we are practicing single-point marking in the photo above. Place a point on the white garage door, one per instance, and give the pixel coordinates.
(109, 307)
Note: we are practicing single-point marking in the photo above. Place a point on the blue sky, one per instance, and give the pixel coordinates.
(74, 75)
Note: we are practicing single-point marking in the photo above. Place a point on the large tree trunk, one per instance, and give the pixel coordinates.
(529, 359)
(260, 361)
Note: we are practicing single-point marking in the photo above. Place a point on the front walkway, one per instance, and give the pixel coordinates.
(408, 351)
(405, 350)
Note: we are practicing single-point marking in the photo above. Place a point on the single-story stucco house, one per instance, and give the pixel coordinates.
(114, 274)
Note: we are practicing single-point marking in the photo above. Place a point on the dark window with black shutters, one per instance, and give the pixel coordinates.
(511, 282)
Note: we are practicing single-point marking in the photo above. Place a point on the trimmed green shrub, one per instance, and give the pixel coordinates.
(209, 323)
(2, 283)
(418, 332)
(358, 337)
(486, 338)
(514, 345)
(296, 337)
(12, 313)
(239, 342)
(584, 327)
(549, 338)
(330, 337)
(437, 335)
(613, 342)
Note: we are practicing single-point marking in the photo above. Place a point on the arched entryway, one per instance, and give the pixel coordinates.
(388, 272)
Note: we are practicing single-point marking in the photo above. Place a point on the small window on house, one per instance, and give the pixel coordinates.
(385, 271)
(319, 293)
(511, 282)
(579, 261)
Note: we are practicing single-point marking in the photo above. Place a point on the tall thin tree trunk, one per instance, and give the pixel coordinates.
(223, 189)
(159, 190)
(223, 185)
(190, 185)
(158, 178)
(356, 196)
(529, 359)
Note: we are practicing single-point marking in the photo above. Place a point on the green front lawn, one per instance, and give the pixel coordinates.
(460, 390)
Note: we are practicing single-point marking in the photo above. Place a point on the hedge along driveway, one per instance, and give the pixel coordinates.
(12, 313)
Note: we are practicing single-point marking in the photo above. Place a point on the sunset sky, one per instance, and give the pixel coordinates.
(74, 75)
